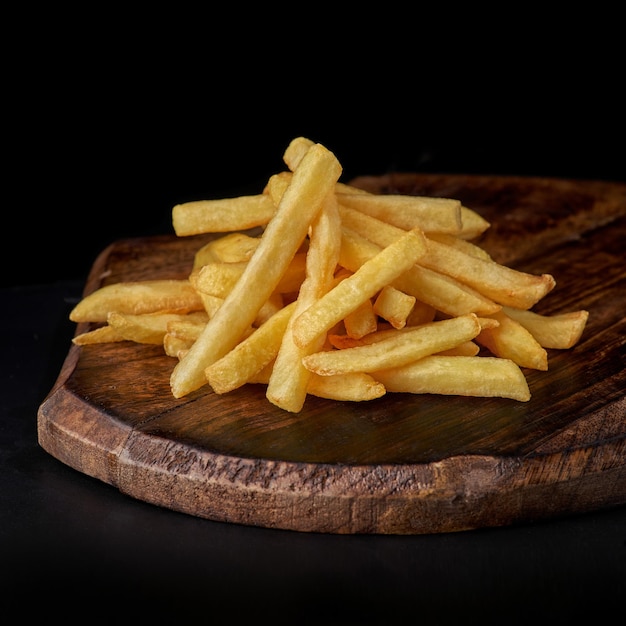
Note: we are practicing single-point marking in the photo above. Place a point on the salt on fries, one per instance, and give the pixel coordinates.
(345, 295)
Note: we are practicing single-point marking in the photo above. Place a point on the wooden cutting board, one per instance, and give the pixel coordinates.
(402, 464)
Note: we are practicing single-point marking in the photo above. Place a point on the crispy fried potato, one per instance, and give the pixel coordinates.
(102, 334)
(560, 331)
(439, 215)
(500, 283)
(149, 327)
(353, 387)
(251, 355)
(361, 321)
(393, 305)
(345, 297)
(313, 180)
(231, 248)
(137, 297)
(481, 376)
(223, 215)
(510, 340)
(287, 387)
(442, 292)
(396, 348)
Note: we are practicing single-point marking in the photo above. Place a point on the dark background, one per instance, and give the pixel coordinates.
(108, 128)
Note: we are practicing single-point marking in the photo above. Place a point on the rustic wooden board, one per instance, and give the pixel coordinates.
(399, 465)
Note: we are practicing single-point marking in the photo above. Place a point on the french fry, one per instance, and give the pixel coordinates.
(149, 327)
(439, 215)
(251, 355)
(137, 297)
(361, 321)
(481, 376)
(187, 327)
(176, 346)
(223, 215)
(277, 183)
(352, 387)
(102, 334)
(396, 348)
(344, 341)
(231, 248)
(421, 313)
(510, 340)
(560, 331)
(500, 283)
(442, 292)
(295, 151)
(467, 348)
(503, 285)
(345, 297)
(473, 224)
(287, 387)
(393, 305)
(313, 179)
(209, 302)
(462, 244)
(218, 278)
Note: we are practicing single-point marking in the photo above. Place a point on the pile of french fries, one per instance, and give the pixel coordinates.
(345, 295)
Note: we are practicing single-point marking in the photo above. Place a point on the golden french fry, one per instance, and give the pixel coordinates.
(218, 278)
(510, 340)
(442, 292)
(148, 327)
(137, 297)
(560, 331)
(353, 387)
(312, 180)
(271, 306)
(393, 305)
(481, 376)
(422, 313)
(361, 321)
(467, 348)
(187, 327)
(287, 387)
(472, 224)
(462, 244)
(439, 215)
(231, 248)
(497, 282)
(345, 297)
(102, 334)
(223, 215)
(176, 346)
(295, 151)
(396, 348)
(500, 283)
(249, 356)
(341, 341)
(209, 302)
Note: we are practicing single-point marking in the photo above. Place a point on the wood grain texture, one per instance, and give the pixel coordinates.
(401, 464)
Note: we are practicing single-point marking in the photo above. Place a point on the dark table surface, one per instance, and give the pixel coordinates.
(65, 536)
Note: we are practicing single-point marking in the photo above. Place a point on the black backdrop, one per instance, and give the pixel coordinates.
(108, 128)
(105, 179)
